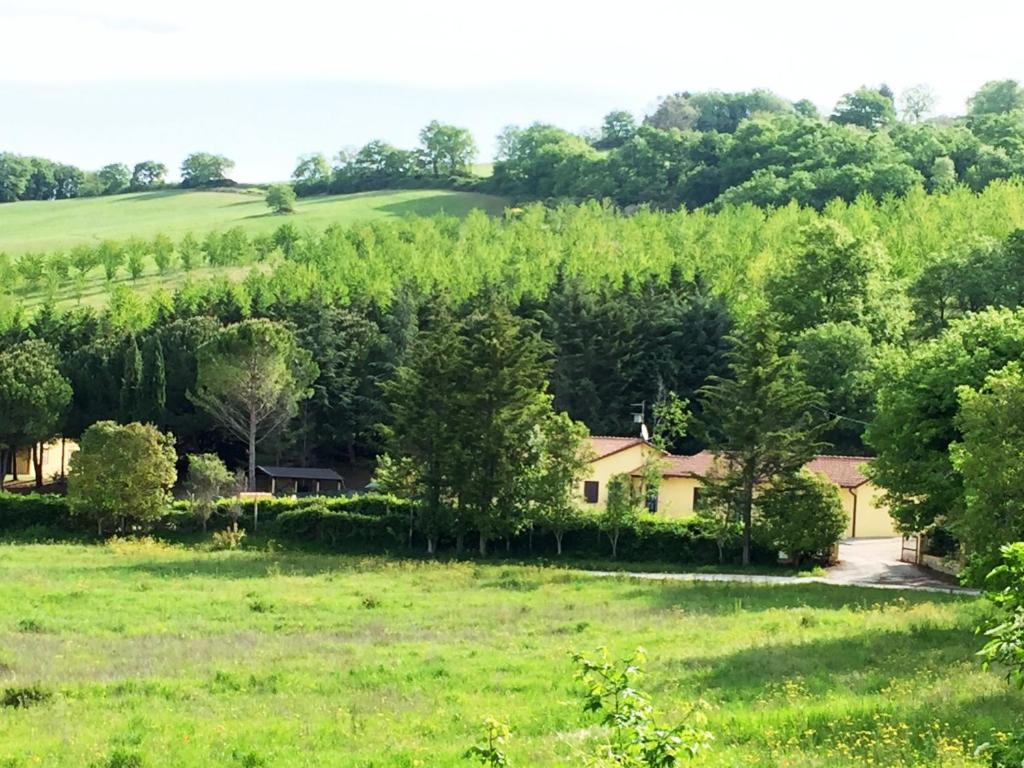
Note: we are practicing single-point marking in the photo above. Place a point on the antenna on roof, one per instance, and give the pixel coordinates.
(639, 417)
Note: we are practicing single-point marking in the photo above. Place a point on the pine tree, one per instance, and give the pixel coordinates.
(153, 398)
(762, 422)
(131, 382)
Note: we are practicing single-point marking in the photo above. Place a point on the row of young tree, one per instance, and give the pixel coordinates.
(27, 177)
(526, 250)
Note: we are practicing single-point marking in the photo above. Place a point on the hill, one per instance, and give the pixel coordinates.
(58, 224)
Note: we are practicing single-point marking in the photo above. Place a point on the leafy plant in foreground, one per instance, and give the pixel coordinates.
(491, 749)
(1005, 646)
(635, 740)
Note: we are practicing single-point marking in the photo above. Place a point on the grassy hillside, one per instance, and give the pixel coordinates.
(53, 225)
(175, 656)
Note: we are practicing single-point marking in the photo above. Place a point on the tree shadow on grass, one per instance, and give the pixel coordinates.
(250, 565)
(864, 663)
(716, 598)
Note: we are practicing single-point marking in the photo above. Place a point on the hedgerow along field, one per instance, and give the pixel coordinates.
(60, 224)
(158, 655)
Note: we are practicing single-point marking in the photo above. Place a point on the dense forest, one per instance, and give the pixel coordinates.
(629, 307)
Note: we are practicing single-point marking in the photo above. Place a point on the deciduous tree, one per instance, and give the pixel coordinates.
(122, 474)
(33, 398)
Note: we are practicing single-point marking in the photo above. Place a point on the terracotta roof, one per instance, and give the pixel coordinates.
(844, 471)
(605, 445)
(689, 466)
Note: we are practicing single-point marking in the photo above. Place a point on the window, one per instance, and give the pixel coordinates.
(590, 491)
(696, 498)
(652, 502)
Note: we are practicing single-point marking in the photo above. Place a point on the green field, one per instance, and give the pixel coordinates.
(191, 658)
(59, 224)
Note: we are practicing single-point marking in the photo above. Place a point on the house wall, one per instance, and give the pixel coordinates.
(873, 520)
(675, 500)
(51, 460)
(675, 496)
(604, 469)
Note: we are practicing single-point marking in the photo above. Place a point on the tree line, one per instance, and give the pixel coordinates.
(694, 150)
(27, 177)
(714, 149)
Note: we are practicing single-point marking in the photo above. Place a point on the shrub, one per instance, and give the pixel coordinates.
(490, 751)
(122, 758)
(281, 198)
(634, 737)
(19, 698)
(803, 515)
(227, 540)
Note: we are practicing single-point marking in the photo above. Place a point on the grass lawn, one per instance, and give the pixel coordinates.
(60, 224)
(190, 658)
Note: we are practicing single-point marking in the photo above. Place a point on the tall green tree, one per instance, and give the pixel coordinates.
(762, 422)
(153, 390)
(561, 460)
(989, 456)
(131, 382)
(251, 378)
(618, 127)
(423, 428)
(121, 474)
(114, 178)
(502, 399)
(915, 419)
(149, 174)
(33, 398)
(996, 97)
(866, 107)
(448, 149)
(203, 169)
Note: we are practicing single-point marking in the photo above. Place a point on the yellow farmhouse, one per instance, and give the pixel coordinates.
(53, 458)
(682, 478)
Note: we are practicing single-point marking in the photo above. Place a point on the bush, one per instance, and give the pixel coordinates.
(227, 540)
(19, 698)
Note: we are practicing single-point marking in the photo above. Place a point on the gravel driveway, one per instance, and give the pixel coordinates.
(877, 562)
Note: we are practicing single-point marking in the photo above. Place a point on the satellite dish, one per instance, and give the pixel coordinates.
(643, 433)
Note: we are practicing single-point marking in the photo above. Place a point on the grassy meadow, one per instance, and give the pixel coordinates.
(190, 658)
(61, 224)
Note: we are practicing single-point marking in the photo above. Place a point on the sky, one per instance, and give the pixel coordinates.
(97, 81)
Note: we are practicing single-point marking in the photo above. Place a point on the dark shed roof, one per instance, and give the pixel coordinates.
(301, 473)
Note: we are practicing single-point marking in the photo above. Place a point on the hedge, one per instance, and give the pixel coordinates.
(21, 511)
(383, 522)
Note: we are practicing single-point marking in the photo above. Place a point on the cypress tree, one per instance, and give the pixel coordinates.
(154, 383)
(763, 422)
(131, 382)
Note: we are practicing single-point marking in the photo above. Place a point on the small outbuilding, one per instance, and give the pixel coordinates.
(297, 480)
